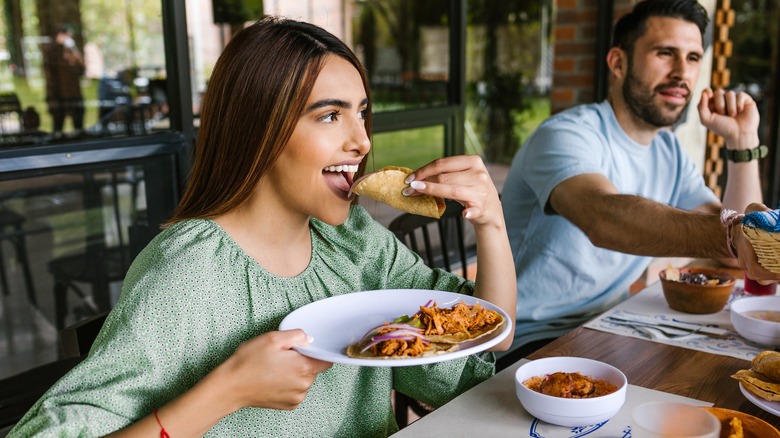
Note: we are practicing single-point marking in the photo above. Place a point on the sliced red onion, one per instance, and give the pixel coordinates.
(397, 326)
(398, 334)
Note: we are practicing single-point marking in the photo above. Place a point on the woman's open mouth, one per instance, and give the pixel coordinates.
(339, 178)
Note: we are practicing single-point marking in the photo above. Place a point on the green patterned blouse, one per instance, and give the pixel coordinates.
(193, 295)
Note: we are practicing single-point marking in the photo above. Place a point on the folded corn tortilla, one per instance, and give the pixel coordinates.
(433, 350)
(386, 184)
(759, 384)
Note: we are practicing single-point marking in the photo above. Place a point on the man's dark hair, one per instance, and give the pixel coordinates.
(634, 24)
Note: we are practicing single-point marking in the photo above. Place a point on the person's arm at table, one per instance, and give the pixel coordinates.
(636, 225)
(263, 372)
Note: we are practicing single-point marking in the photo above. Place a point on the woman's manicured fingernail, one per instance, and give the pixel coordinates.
(409, 178)
(407, 191)
(309, 338)
(468, 215)
(417, 185)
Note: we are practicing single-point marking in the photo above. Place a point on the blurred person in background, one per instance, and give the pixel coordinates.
(64, 67)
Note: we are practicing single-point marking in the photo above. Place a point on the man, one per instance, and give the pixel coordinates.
(600, 189)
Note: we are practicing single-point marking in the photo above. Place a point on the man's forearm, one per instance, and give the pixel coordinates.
(636, 225)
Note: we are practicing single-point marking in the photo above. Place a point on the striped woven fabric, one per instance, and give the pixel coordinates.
(766, 220)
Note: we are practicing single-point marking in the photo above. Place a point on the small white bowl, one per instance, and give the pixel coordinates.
(571, 412)
(666, 419)
(753, 329)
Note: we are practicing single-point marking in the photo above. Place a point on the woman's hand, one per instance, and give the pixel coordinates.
(266, 372)
(464, 179)
(263, 372)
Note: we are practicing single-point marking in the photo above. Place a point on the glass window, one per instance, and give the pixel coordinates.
(508, 75)
(84, 69)
(404, 45)
(753, 65)
(67, 237)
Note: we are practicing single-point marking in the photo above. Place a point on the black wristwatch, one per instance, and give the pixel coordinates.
(745, 155)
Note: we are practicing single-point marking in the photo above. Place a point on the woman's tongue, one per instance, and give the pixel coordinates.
(336, 180)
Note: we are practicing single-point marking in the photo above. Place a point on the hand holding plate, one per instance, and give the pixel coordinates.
(266, 372)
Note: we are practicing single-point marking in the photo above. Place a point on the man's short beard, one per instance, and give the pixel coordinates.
(641, 104)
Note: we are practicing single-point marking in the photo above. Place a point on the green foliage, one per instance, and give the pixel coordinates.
(752, 36)
(410, 148)
(236, 11)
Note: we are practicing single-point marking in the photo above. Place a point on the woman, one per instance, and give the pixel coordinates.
(266, 226)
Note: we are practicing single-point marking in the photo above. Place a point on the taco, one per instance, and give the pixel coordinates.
(396, 341)
(430, 331)
(386, 184)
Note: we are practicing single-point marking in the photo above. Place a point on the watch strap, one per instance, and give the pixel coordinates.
(744, 155)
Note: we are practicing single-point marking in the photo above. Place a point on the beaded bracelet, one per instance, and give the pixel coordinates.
(163, 433)
(727, 219)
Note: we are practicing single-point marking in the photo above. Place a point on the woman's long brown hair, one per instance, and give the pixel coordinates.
(253, 101)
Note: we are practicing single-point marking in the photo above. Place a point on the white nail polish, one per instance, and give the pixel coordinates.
(409, 179)
(309, 338)
(468, 215)
(406, 191)
(417, 185)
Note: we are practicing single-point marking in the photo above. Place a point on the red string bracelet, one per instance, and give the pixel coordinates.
(163, 433)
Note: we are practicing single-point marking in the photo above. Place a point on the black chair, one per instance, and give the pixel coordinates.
(11, 231)
(99, 264)
(442, 244)
(19, 392)
(77, 338)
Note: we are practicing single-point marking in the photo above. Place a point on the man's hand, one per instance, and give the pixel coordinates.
(747, 255)
(732, 115)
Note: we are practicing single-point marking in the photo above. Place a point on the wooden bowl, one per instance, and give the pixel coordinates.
(698, 298)
(752, 427)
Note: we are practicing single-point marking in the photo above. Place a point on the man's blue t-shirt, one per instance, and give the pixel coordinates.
(562, 278)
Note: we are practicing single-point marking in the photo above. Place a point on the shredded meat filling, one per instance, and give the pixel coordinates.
(461, 318)
(569, 385)
(398, 347)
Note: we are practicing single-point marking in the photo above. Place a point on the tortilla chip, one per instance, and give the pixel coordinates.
(433, 350)
(768, 364)
(759, 384)
(386, 184)
(766, 395)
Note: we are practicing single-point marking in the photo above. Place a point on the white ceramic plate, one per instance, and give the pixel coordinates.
(339, 321)
(772, 407)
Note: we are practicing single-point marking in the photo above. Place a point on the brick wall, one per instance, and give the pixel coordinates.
(575, 31)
